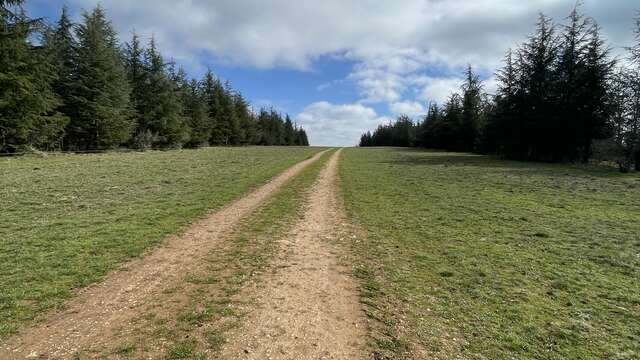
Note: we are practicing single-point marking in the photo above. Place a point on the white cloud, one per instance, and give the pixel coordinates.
(384, 74)
(324, 86)
(490, 85)
(438, 89)
(337, 125)
(399, 36)
(412, 109)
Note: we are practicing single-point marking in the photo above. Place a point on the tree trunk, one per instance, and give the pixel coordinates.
(637, 160)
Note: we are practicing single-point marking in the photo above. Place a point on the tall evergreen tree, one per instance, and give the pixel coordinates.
(246, 121)
(137, 75)
(537, 108)
(403, 134)
(61, 47)
(28, 104)
(471, 108)
(302, 139)
(428, 128)
(159, 105)
(263, 135)
(101, 112)
(209, 90)
(595, 109)
(221, 110)
(276, 128)
(229, 118)
(194, 107)
(569, 85)
(366, 139)
(625, 122)
(289, 132)
(504, 124)
(449, 129)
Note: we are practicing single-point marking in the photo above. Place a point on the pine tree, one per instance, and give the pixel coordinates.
(569, 88)
(28, 116)
(303, 140)
(229, 118)
(137, 76)
(61, 47)
(471, 108)
(594, 108)
(197, 113)
(429, 127)
(403, 134)
(536, 60)
(449, 130)
(221, 111)
(246, 121)
(289, 132)
(99, 105)
(263, 135)
(209, 90)
(276, 127)
(503, 130)
(159, 107)
(366, 139)
(220, 130)
(622, 96)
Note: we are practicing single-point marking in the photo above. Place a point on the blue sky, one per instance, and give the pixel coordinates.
(341, 67)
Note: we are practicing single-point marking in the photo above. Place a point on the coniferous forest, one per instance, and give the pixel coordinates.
(562, 97)
(75, 87)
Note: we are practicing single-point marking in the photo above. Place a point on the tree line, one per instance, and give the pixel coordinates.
(74, 87)
(561, 97)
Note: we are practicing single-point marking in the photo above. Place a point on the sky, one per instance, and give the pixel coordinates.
(342, 67)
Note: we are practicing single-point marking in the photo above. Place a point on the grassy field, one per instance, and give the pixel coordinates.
(65, 221)
(470, 257)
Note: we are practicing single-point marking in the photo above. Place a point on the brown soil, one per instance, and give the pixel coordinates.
(95, 316)
(308, 308)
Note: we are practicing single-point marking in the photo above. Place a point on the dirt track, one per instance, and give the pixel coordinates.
(93, 316)
(308, 308)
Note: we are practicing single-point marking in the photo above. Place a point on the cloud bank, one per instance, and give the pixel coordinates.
(323, 119)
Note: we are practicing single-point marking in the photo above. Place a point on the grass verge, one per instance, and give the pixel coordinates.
(66, 221)
(471, 257)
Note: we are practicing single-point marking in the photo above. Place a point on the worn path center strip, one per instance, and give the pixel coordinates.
(99, 310)
(309, 308)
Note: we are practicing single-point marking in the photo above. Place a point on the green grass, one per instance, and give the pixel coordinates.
(183, 350)
(65, 221)
(471, 257)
